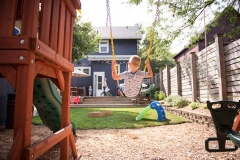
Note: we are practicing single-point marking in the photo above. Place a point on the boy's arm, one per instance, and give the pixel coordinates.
(150, 73)
(115, 76)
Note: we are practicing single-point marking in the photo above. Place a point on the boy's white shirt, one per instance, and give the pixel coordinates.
(132, 82)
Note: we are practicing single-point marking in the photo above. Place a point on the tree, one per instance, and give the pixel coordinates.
(160, 55)
(178, 15)
(85, 39)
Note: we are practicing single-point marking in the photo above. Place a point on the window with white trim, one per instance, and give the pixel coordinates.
(103, 46)
(86, 70)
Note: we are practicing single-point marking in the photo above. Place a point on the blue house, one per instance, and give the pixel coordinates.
(98, 64)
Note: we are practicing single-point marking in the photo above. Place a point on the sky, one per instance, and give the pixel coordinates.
(122, 14)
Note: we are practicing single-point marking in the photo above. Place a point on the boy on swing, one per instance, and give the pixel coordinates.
(132, 78)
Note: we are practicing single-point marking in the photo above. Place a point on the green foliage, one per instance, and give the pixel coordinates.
(186, 16)
(194, 105)
(152, 91)
(161, 95)
(177, 101)
(121, 118)
(85, 39)
(204, 106)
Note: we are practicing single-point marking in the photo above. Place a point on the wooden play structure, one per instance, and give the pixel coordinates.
(42, 50)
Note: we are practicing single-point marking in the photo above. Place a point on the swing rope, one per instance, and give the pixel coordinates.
(108, 19)
(152, 35)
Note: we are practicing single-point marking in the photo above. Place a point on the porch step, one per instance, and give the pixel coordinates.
(107, 100)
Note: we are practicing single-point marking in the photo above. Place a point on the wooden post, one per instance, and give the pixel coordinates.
(193, 76)
(65, 119)
(221, 67)
(178, 68)
(168, 81)
(161, 80)
(155, 79)
(236, 125)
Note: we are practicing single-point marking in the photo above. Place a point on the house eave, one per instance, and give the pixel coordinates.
(108, 57)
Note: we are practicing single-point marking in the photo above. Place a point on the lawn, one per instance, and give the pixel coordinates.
(121, 118)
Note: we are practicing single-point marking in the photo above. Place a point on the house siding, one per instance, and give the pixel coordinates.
(121, 47)
(99, 66)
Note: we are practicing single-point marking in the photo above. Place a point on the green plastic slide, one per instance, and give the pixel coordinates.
(48, 102)
(143, 113)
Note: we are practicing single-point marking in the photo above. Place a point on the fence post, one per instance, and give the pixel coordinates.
(161, 80)
(155, 79)
(178, 68)
(221, 67)
(168, 81)
(193, 76)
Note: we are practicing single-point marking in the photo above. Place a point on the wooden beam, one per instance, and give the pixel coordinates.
(77, 4)
(71, 7)
(221, 67)
(14, 57)
(23, 102)
(45, 16)
(46, 52)
(30, 18)
(71, 40)
(54, 25)
(41, 147)
(16, 148)
(38, 67)
(73, 147)
(60, 79)
(55, 81)
(65, 117)
(45, 70)
(61, 28)
(10, 73)
(193, 76)
(17, 42)
(67, 35)
(7, 19)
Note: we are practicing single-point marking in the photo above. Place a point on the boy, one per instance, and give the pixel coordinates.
(133, 77)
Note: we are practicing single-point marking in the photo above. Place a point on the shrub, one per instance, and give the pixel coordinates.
(161, 95)
(152, 91)
(177, 101)
(156, 95)
(194, 105)
(204, 106)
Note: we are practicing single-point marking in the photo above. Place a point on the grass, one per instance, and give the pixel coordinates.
(121, 118)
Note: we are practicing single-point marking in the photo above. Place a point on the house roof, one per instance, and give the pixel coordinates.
(124, 32)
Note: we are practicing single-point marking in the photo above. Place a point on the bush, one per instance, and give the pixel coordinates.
(156, 95)
(194, 105)
(204, 106)
(152, 91)
(161, 95)
(177, 101)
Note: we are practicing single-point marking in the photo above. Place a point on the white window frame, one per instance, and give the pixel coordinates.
(104, 45)
(82, 68)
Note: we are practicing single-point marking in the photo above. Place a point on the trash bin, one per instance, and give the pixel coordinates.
(10, 111)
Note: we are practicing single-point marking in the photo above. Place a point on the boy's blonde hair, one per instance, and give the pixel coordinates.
(136, 61)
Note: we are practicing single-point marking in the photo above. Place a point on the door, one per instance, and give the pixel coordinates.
(98, 78)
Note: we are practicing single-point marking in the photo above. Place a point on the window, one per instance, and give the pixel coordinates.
(103, 46)
(86, 70)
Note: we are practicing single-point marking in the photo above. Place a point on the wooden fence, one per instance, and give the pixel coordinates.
(212, 74)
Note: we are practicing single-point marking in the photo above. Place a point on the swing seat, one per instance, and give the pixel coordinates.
(223, 117)
(120, 92)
